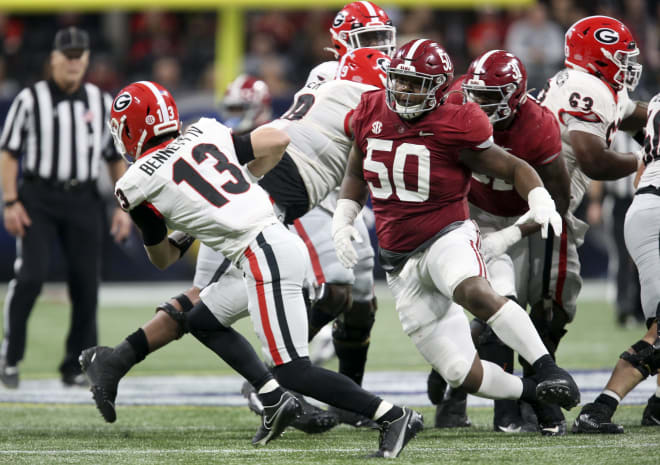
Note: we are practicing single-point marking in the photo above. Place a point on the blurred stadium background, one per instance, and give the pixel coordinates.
(195, 47)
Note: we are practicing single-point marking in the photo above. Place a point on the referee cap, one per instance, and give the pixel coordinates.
(71, 38)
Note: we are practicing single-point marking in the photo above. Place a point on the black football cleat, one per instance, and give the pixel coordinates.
(313, 420)
(276, 418)
(8, 375)
(75, 380)
(556, 386)
(350, 418)
(596, 418)
(551, 419)
(452, 413)
(253, 401)
(651, 415)
(103, 372)
(396, 434)
(509, 419)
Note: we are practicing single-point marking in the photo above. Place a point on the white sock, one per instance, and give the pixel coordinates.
(498, 384)
(382, 409)
(514, 327)
(270, 386)
(612, 394)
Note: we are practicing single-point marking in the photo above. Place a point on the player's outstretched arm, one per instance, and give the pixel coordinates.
(557, 181)
(162, 250)
(497, 163)
(268, 146)
(352, 197)
(598, 161)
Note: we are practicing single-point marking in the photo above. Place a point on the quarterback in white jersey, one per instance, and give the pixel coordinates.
(642, 359)
(202, 162)
(590, 101)
(182, 173)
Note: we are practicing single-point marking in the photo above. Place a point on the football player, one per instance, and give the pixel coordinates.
(198, 182)
(497, 82)
(415, 154)
(590, 100)
(642, 359)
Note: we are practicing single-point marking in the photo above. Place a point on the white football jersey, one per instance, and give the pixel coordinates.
(582, 102)
(651, 176)
(317, 126)
(199, 187)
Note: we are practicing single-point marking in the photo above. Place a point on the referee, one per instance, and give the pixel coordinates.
(56, 131)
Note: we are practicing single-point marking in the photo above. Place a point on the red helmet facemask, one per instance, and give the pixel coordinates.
(362, 24)
(497, 82)
(141, 111)
(364, 65)
(604, 47)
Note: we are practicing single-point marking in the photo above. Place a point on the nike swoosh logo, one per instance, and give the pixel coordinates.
(510, 429)
(93, 358)
(268, 423)
(655, 420)
(554, 429)
(423, 133)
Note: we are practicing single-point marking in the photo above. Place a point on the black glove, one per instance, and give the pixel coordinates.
(181, 241)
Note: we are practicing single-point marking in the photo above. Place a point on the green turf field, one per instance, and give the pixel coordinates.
(34, 434)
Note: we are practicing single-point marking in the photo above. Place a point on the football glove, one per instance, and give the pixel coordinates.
(542, 210)
(343, 231)
(498, 242)
(181, 241)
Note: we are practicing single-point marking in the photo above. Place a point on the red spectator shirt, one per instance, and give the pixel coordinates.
(533, 136)
(417, 184)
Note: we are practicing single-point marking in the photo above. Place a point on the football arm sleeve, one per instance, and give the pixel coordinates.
(161, 249)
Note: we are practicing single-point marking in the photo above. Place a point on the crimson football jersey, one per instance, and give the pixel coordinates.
(417, 183)
(533, 136)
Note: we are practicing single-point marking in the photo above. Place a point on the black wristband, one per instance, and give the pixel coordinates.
(9, 203)
(181, 241)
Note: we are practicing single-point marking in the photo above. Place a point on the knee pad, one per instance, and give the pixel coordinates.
(456, 371)
(550, 323)
(334, 299)
(354, 326)
(646, 358)
(184, 301)
(177, 316)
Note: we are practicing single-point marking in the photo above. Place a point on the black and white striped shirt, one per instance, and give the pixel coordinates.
(61, 137)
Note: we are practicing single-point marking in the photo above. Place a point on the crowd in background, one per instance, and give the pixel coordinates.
(178, 50)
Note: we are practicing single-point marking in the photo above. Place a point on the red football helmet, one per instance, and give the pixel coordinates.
(497, 82)
(364, 65)
(604, 47)
(362, 24)
(141, 111)
(418, 76)
(246, 104)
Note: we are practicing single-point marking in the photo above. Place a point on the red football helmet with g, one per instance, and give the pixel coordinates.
(419, 75)
(497, 82)
(141, 111)
(364, 65)
(246, 104)
(604, 47)
(362, 24)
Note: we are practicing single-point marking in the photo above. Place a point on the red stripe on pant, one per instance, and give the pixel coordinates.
(563, 263)
(316, 263)
(263, 306)
(482, 268)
